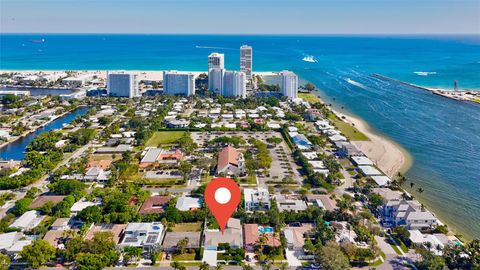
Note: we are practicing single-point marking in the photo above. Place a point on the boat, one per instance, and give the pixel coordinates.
(38, 40)
(309, 59)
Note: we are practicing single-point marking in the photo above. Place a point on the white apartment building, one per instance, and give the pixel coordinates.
(216, 60)
(122, 85)
(234, 84)
(178, 83)
(215, 80)
(246, 60)
(289, 84)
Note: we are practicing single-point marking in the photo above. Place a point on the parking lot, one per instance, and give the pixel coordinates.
(283, 166)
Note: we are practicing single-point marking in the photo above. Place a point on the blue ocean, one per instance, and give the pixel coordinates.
(442, 135)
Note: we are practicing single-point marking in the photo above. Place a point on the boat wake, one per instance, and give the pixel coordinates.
(357, 84)
(211, 47)
(425, 73)
(309, 59)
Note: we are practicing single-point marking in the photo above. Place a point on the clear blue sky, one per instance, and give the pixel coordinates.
(247, 16)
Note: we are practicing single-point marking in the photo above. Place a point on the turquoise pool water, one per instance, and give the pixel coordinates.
(265, 229)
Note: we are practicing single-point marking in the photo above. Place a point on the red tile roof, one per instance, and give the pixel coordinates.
(252, 235)
(154, 205)
(227, 155)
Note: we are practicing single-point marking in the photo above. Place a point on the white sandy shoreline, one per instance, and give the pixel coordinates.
(389, 157)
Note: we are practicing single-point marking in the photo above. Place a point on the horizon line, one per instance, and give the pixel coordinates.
(246, 34)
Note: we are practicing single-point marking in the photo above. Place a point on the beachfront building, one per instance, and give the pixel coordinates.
(215, 80)
(178, 83)
(234, 84)
(289, 84)
(246, 60)
(409, 214)
(122, 85)
(216, 60)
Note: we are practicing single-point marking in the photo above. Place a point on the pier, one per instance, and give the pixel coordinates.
(468, 96)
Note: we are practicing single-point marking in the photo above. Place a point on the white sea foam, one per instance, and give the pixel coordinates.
(425, 73)
(357, 84)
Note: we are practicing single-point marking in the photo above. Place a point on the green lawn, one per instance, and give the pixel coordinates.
(206, 178)
(395, 248)
(164, 182)
(164, 137)
(309, 97)
(349, 131)
(187, 227)
(249, 180)
(184, 257)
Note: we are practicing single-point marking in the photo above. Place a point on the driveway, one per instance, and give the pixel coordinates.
(292, 259)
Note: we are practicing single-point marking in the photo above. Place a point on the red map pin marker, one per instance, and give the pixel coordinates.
(222, 196)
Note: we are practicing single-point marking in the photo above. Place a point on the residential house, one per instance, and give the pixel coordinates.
(116, 229)
(322, 201)
(154, 205)
(186, 203)
(233, 236)
(289, 204)
(27, 221)
(256, 199)
(346, 149)
(295, 236)
(148, 236)
(252, 234)
(409, 214)
(172, 238)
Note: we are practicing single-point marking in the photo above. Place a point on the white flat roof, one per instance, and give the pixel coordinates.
(381, 180)
(361, 160)
(369, 170)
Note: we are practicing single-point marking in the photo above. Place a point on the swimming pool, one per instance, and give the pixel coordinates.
(265, 229)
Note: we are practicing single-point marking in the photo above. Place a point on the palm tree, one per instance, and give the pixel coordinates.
(175, 265)
(204, 266)
(420, 190)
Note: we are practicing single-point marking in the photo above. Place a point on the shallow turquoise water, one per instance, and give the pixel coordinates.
(442, 135)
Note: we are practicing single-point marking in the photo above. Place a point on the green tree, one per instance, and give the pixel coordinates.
(66, 187)
(206, 266)
(131, 253)
(175, 265)
(91, 214)
(88, 261)
(38, 253)
(309, 87)
(430, 261)
(21, 206)
(182, 245)
(185, 169)
(4, 261)
(331, 257)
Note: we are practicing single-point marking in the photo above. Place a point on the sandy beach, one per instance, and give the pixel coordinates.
(387, 155)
